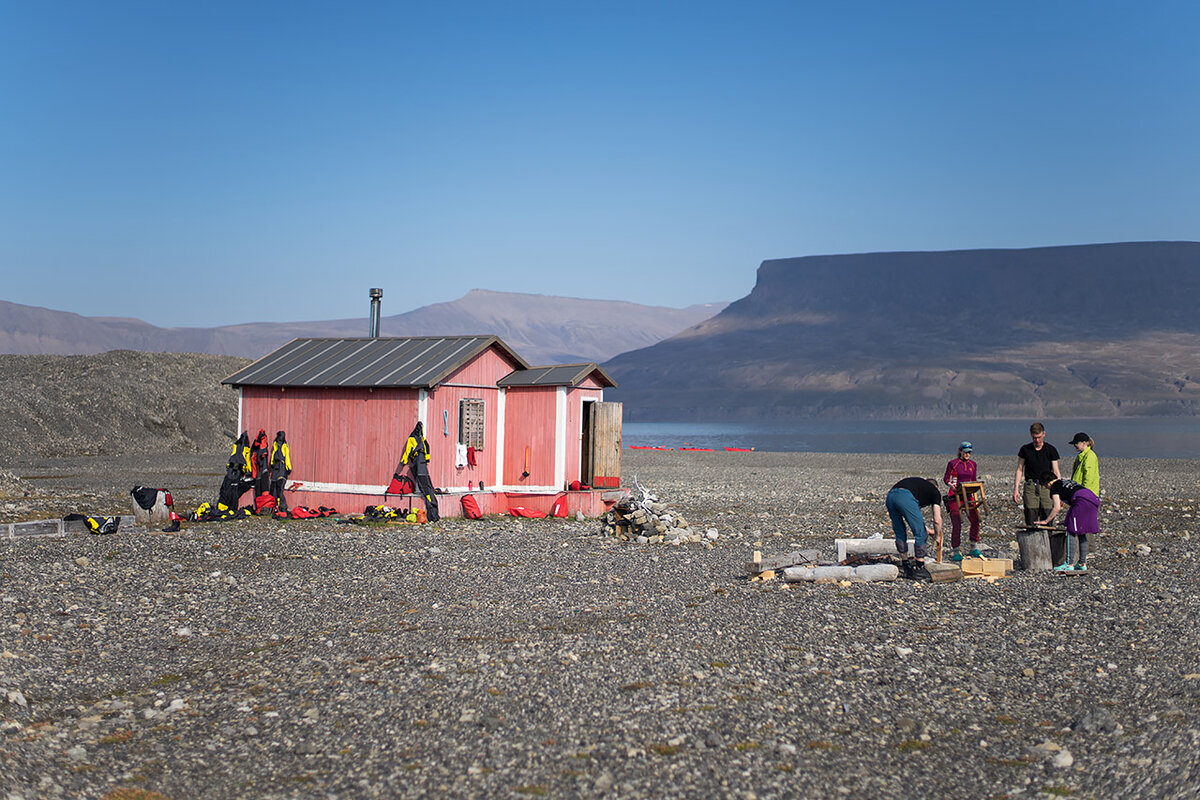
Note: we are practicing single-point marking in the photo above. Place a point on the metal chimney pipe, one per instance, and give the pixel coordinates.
(376, 295)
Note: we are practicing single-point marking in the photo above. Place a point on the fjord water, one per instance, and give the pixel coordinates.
(1116, 437)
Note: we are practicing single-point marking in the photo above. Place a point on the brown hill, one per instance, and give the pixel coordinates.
(542, 328)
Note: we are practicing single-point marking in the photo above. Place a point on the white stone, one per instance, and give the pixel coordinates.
(1063, 759)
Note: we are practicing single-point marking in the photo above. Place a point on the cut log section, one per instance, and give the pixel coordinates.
(847, 547)
(799, 557)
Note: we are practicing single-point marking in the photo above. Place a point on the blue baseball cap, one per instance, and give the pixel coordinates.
(966, 447)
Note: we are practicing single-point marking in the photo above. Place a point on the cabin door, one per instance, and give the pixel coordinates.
(601, 454)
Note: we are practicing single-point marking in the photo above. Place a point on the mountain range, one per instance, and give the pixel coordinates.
(542, 329)
(1085, 331)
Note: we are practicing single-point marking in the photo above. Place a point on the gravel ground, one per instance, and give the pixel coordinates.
(519, 658)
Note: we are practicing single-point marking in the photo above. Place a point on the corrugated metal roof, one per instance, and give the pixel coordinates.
(556, 375)
(414, 361)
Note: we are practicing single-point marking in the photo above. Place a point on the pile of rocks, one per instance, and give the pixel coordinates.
(641, 517)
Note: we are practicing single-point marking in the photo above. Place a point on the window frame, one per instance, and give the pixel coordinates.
(472, 422)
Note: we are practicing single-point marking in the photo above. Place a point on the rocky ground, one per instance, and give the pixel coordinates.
(520, 658)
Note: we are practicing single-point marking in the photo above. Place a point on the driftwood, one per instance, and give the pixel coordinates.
(847, 547)
(943, 573)
(867, 572)
(798, 557)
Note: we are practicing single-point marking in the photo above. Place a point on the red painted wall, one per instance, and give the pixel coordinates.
(335, 435)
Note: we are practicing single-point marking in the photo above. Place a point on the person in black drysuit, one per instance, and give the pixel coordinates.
(237, 473)
(416, 452)
(281, 467)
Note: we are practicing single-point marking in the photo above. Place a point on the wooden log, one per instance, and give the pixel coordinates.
(797, 574)
(759, 564)
(1035, 550)
(158, 514)
(847, 547)
(943, 573)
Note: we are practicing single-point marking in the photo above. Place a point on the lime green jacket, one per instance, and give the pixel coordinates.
(1086, 471)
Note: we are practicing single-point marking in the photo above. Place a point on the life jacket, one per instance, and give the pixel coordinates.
(281, 458)
(240, 456)
(417, 444)
(264, 502)
(259, 453)
(102, 526)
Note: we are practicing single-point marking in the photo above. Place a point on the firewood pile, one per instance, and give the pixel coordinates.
(639, 516)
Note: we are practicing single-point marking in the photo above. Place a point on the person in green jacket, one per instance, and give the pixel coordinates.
(1086, 471)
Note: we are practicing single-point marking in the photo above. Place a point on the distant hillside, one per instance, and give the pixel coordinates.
(119, 402)
(542, 329)
(1090, 330)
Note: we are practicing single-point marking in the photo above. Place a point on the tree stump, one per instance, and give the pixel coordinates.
(159, 514)
(1035, 548)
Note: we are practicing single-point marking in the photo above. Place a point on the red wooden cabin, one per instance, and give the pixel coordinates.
(348, 406)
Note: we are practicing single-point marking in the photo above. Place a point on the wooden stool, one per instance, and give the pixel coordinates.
(970, 496)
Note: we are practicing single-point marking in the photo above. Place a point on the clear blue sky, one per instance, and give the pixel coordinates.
(205, 163)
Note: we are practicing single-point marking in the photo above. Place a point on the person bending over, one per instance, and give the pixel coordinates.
(1082, 518)
(904, 504)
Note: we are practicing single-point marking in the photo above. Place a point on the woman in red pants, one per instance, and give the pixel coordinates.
(961, 469)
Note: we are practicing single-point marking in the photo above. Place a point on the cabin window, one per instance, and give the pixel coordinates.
(470, 423)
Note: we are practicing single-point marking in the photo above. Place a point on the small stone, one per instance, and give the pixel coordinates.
(82, 561)
(1028, 672)
(17, 699)
(77, 753)
(1062, 760)
(903, 652)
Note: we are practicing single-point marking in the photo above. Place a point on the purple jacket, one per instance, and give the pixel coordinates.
(963, 470)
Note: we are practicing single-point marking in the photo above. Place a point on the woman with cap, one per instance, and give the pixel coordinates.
(1082, 518)
(961, 469)
(1086, 471)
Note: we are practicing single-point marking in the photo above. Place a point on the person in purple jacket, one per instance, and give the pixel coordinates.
(961, 469)
(1082, 519)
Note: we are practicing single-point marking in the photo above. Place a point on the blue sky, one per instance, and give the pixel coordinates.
(205, 163)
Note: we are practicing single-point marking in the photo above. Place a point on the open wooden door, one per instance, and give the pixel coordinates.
(605, 438)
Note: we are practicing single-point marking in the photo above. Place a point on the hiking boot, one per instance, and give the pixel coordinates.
(975, 553)
(956, 556)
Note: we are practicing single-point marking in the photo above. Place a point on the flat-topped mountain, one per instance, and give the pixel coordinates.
(543, 329)
(1088, 330)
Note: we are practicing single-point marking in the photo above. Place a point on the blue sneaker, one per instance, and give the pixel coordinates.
(1064, 567)
(957, 556)
(975, 553)
(1081, 567)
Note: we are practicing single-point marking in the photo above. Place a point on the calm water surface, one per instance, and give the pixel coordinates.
(1145, 437)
